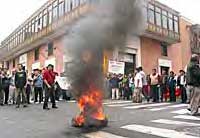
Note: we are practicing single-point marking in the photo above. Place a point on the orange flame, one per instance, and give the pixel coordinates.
(90, 104)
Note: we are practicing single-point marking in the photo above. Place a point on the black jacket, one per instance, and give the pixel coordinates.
(193, 75)
(1, 83)
(20, 79)
(5, 82)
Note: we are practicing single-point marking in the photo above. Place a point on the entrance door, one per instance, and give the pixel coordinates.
(165, 68)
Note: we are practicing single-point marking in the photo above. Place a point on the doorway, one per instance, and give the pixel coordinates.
(162, 68)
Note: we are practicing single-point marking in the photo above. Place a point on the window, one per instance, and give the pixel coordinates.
(13, 62)
(170, 24)
(176, 25)
(61, 9)
(50, 49)
(44, 19)
(55, 10)
(164, 20)
(151, 17)
(33, 26)
(164, 49)
(36, 24)
(158, 19)
(37, 54)
(50, 14)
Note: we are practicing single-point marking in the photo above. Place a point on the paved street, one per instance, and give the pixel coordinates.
(126, 120)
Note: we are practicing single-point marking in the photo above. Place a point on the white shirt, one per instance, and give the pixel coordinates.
(138, 77)
(182, 80)
(144, 79)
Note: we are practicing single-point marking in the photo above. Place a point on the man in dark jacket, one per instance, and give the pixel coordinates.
(163, 84)
(20, 83)
(193, 79)
(1, 90)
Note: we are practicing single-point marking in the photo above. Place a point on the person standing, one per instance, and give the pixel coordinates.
(154, 85)
(137, 97)
(38, 85)
(181, 82)
(193, 75)
(114, 82)
(1, 90)
(49, 80)
(20, 83)
(172, 87)
(12, 88)
(163, 84)
(144, 84)
(6, 85)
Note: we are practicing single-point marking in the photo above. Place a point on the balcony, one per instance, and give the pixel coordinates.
(162, 23)
(195, 39)
(52, 20)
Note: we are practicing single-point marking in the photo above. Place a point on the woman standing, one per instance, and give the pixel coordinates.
(6, 85)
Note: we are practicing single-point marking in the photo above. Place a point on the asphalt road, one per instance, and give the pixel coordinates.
(126, 120)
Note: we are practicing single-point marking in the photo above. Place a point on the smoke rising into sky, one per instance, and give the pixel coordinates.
(105, 28)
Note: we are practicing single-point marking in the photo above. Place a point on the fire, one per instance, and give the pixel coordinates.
(90, 105)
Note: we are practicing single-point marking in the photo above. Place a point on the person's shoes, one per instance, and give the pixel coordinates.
(1, 104)
(188, 109)
(25, 106)
(55, 107)
(17, 106)
(46, 108)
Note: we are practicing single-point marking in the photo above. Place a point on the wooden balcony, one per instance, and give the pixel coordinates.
(31, 40)
(161, 34)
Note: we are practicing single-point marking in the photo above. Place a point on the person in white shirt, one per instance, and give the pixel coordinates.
(138, 87)
(144, 84)
(181, 82)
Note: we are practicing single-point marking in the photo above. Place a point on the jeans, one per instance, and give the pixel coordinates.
(38, 91)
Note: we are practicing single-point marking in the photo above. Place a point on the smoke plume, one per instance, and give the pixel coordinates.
(106, 27)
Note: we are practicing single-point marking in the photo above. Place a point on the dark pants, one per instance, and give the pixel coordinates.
(49, 92)
(155, 93)
(163, 89)
(28, 92)
(19, 92)
(172, 94)
(183, 94)
(6, 90)
(38, 91)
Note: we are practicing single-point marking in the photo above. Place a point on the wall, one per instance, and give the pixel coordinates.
(181, 52)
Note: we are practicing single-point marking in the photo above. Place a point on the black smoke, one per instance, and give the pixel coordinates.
(106, 27)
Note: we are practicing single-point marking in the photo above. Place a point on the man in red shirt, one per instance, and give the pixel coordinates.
(49, 81)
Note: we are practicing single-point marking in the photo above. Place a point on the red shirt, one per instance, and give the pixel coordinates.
(49, 76)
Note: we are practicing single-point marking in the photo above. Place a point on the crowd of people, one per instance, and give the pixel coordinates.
(19, 88)
(157, 87)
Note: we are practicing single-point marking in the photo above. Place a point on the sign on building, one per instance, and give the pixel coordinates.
(23, 60)
(116, 67)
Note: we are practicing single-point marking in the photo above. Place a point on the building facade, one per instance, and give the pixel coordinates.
(39, 40)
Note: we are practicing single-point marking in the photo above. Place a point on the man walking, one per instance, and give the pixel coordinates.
(20, 83)
(49, 80)
(193, 75)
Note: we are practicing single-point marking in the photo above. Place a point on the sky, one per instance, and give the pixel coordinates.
(15, 12)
